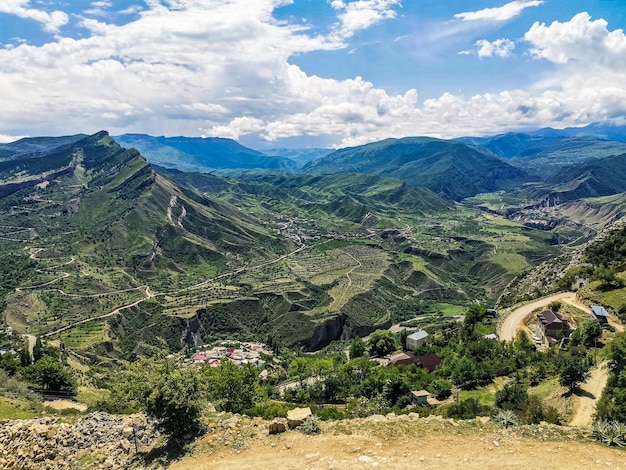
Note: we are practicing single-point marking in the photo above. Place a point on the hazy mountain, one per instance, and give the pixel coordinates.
(445, 167)
(601, 131)
(299, 156)
(545, 155)
(35, 146)
(201, 154)
(600, 177)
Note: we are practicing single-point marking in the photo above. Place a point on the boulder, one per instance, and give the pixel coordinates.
(278, 425)
(297, 416)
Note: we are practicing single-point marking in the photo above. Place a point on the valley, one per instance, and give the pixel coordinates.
(126, 270)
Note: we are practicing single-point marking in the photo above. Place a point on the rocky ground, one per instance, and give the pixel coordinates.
(98, 440)
(238, 442)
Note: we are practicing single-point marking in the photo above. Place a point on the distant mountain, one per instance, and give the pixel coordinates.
(299, 156)
(601, 131)
(36, 146)
(601, 177)
(201, 154)
(545, 155)
(445, 167)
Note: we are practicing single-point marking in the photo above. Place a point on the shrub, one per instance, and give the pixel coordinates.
(310, 426)
(612, 433)
(506, 418)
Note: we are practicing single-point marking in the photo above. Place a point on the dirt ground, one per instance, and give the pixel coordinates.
(65, 405)
(402, 444)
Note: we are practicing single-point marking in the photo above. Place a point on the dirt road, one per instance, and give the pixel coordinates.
(509, 326)
(591, 391)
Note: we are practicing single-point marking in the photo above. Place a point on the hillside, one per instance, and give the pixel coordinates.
(201, 154)
(595, 178)
(445, 167)
(95, 223)
(546, 155)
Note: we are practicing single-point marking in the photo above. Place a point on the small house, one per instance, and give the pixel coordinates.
(429, 361)
(551, 326)
(415, 340)
(599, 313)
(403, 359)
(420, 397)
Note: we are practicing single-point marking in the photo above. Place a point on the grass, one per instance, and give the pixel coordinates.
(545, 388)
(485, 395)
(13, 408)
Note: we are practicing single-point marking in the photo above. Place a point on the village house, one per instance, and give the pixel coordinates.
(551, 327)
(423, 397)
(599, 313)
(415, 340)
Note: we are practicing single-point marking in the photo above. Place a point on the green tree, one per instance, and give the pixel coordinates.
(49, 374)
(574, 372)
(441, 388)
(10, 363)
(512, 397)
(357, 348)
(231, 388)
(37, 349)
(381, 342)
(173, 400)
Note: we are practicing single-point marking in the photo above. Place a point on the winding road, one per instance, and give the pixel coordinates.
(509, 326)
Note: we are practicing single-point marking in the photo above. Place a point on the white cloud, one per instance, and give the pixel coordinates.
(503, 13)
(500, 48)
(361, 14)
(192, 67)
(5, 139)
(51, 21)
(580, 39)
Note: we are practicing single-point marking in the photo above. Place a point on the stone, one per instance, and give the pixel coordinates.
(376, 418)
(297, 416)
(483, 419)
(231, 423)
(278, 425)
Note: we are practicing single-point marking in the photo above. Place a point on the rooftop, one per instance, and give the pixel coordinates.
(418, 335)
(599, 311)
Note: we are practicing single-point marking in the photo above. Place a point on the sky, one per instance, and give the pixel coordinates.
(309, 73)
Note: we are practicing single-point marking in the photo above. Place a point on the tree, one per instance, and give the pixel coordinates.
(441, 388)
(591, 333)
(381, 342)
(37, 349)
(49, 374)
(512, 397)
(173, 400)
(607, 277)
(357, 348)
(231, 388)
(574, 372)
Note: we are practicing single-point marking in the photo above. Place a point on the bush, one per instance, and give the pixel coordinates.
(269, 410)
(612, 433)
(329, 413)
(363, 407)
(467, 409)
(310, 426)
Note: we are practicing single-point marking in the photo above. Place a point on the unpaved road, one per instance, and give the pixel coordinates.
(513, 320)
(591, 391)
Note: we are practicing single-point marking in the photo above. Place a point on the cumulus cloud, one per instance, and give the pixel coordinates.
(500, 48)
(194, 67)
(361, 14)
(51, 21)
(503, 13)
(580, 39)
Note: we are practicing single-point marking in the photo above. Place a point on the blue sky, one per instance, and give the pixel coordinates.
(274, 73)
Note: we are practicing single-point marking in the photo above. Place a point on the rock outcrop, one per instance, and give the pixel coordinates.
(98, 440)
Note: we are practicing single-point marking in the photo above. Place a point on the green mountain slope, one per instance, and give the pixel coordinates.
(445, 167)
(201, 154)
(546, 155)
(601, 177)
